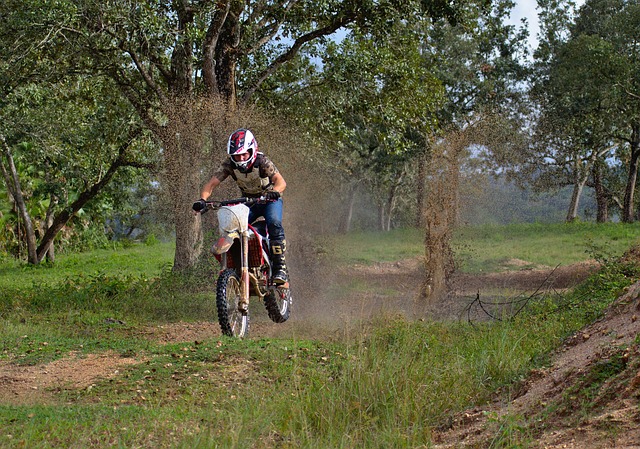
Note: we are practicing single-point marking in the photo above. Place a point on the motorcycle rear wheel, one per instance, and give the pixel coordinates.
(278, 304)
(233, 322)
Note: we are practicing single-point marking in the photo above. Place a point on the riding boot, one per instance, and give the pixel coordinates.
(279, 266)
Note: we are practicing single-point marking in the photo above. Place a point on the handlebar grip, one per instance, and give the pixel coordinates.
(242, 200)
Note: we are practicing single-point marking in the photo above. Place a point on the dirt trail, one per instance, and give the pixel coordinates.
(37, 384)
(472, 429)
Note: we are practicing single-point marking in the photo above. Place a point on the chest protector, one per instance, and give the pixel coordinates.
(251, 184)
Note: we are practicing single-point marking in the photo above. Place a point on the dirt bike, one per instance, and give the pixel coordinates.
(243, 253)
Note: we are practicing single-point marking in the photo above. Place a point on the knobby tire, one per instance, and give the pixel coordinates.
(233, 323)
(278, 304)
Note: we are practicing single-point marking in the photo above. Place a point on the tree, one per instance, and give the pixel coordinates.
(57, 141)
(171, 59)
(70, 165)
(587, 73)
(362, 100)
(480, 66)
(184, 65)
(573, 130)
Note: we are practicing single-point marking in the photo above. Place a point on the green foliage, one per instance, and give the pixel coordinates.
(584, 70)
(151, 240)
(58, 165)
(136, 261)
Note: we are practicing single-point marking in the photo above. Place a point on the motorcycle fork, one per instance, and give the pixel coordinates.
(244, 273)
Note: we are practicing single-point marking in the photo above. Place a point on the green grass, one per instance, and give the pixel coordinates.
(370, 247)
(489, 248)
(384, 384)
(136, 260)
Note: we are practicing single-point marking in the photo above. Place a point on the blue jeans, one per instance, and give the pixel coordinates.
(272, 213)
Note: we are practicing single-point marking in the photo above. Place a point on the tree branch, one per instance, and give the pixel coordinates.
(273, 29)
(338, 22)
(63, 217)
(131, 94)
(145, 75)
(210, 43)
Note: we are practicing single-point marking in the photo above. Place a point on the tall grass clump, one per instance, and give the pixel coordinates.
(401, 379)
(587, 301)
(167, 297)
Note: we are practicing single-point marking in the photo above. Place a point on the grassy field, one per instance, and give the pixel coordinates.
(386, 384)
(137, 260)
(486, 248)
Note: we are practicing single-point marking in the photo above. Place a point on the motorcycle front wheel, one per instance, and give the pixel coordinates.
(233, 322)
(278, 304)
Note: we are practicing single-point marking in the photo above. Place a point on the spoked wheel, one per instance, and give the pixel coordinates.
(233, 322)
(278, 303)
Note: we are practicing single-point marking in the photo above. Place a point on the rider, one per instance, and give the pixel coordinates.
(257, 177)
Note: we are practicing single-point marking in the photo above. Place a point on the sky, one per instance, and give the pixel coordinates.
(527, 9)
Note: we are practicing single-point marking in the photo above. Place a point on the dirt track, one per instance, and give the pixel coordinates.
(36, 384)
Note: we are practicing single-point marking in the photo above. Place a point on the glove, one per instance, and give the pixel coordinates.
(199, 205)
(272, 195)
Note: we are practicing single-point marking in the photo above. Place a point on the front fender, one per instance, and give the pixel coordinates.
(223, 244)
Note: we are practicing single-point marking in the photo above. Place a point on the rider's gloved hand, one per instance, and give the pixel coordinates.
(199, 205)
(272, 195)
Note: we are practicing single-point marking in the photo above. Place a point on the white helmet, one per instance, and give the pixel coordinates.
(242, 142)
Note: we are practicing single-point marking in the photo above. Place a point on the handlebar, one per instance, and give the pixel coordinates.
(243, 200)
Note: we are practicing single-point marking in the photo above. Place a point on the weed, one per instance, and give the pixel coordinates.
(510, 432)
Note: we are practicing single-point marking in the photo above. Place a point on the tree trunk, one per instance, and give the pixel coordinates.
(602, 201)
(390, 206)
(345, 223)
(381, 215)
(226, 55)
(420, 190)
(13, 185)
(582, 172)
(51, 252)
(572, 213)
(627, 213)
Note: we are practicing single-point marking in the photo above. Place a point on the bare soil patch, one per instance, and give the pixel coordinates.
(182, 332)
(38, 384)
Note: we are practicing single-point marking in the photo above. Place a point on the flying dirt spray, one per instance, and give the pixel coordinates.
(441, 209)
(440, 213)
(194, 144)
(445, 174)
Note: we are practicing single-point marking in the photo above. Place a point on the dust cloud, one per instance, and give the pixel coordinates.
(199, 130)
(312, 206)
